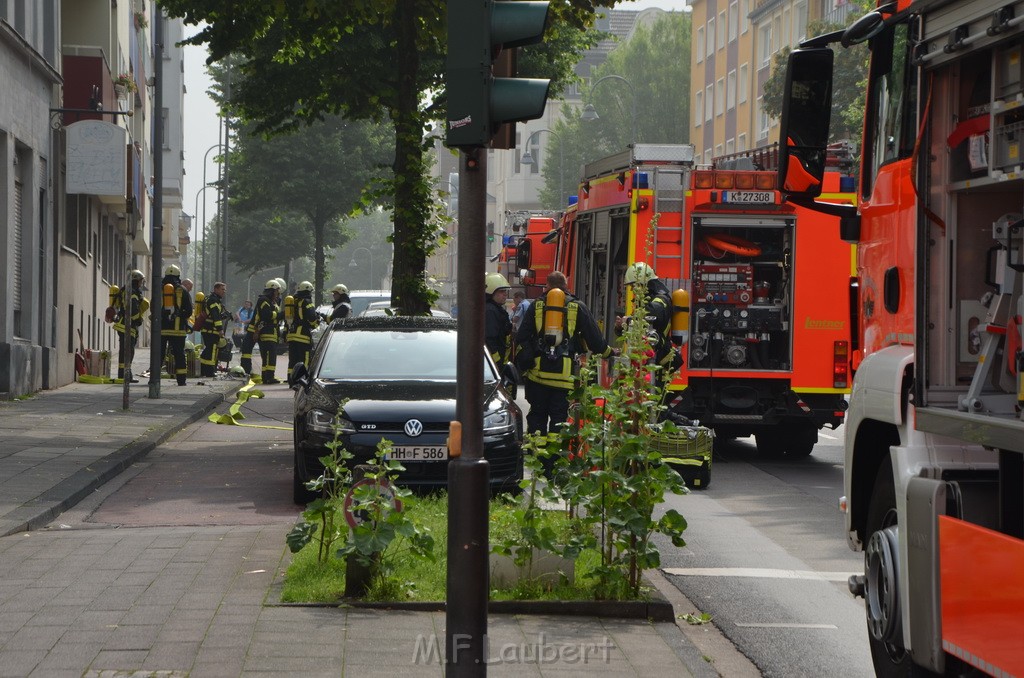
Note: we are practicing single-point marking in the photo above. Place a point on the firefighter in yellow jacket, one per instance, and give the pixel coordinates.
(174, 327)
(128, 311)
(557, 329)
(300, 325)
(264, 322)
(212, 329)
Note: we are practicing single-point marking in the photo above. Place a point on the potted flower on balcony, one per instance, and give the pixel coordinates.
(124, 83)
(140, 19)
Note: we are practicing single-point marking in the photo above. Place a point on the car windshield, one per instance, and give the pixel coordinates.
(393, 355)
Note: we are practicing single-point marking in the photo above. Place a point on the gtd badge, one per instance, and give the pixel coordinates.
(413, 428)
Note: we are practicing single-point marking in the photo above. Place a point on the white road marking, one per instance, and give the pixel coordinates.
(757, 573)
(825, 435)
(751, 625)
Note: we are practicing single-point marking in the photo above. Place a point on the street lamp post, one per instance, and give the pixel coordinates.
(590, 113)
(527, 159)
(197, 281)
(195, 244)
(355, 264)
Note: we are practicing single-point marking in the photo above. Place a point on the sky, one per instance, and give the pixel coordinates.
(202, 123)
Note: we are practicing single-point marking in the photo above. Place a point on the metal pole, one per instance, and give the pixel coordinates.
(155, 352)
(468, 473)
(224, 221)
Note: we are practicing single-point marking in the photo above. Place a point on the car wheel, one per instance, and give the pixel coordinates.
(301, 495)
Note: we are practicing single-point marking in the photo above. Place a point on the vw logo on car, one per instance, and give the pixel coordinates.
(413, 428)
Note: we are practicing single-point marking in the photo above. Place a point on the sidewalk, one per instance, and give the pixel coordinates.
(204, 601)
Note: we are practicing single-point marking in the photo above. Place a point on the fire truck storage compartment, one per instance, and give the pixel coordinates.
(742, 280)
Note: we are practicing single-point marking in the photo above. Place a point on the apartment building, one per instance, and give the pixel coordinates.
(76, 167)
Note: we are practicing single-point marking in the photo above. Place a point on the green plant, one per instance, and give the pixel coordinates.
(126, 81)
(140, 19)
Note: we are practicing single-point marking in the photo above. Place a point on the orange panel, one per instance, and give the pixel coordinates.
(982, 584)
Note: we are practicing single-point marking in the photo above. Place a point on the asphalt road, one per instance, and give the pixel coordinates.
(767, 559)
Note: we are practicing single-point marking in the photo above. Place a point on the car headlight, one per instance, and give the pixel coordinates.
(322, 421)
(499, 421)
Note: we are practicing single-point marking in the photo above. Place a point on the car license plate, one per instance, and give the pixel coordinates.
(749, 197)
(419, 453)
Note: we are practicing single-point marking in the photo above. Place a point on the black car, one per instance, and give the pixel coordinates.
(397, 377)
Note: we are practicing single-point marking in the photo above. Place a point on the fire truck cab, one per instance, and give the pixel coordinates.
(769, 284)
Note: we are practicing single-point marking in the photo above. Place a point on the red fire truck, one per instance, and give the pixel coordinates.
(934, 468)
(769, 284)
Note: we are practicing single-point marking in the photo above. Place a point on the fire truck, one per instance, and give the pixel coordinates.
(934, 467)
(528, 253)
(770, 326)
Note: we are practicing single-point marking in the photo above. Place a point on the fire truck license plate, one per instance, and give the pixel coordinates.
(749, 197)
(419, 453)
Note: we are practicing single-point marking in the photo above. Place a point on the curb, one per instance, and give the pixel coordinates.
(61, 497)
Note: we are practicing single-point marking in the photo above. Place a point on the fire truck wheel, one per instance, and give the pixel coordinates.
(770, 444)
(890, 658)
(802, 442)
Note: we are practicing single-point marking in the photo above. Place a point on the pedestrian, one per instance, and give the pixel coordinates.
(129, 308)
(549, 361)
(212, 330)
(265, 322)
(519, 306)
(342, 303)
(497, 326)
(242, 317)
(174, 321)
(645, 285)
(300, 330)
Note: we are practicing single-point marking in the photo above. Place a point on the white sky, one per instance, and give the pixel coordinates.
(202, 124)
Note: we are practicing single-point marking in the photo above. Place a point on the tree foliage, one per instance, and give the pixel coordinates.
(376, 61)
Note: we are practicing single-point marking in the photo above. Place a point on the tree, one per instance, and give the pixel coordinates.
(662, 86)
(304, 60)
(848, 85)
(291, 193)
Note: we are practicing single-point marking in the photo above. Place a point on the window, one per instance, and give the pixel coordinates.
(707, 157)
(76, 223)
(700, 44)
(785, 28)
(776, 34)
(698, 107)
(535, 152)
(730, 146)
(763, 121)
(709, 100)
(718, 150)
(722, 23)
(730, 92)
(889, 124)
(744, 16)
(764, 45)
(741, 143)
(720, 96)
(744, 84)
(734, 18)
(800, 27)
(711, 37)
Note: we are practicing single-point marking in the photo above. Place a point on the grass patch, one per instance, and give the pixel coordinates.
(306, 580)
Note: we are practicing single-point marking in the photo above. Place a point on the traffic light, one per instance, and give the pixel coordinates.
(478, 102)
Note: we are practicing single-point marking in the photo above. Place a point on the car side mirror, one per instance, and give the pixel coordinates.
(510, 379)
(299, 377)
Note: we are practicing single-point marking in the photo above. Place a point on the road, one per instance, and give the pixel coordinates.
(767, 559)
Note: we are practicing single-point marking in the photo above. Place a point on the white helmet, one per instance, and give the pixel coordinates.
(272, 284)
(138, 276)
(281, 284)
(304, 286)
(640, 273)
(339, 289)
(172, 270)
(494, 282)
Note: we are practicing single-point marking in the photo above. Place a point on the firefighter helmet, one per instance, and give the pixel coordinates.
(237, 371)
(172, 270)
(640, 273)
(138, 276)
(282, 283)
(272, 284)
(339, 289)
(304, 286)
(494, 282)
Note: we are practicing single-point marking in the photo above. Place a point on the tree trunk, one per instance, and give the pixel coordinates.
(411, 202)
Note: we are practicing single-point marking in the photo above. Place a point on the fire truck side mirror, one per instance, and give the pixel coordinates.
(804, 126)
(523, 254)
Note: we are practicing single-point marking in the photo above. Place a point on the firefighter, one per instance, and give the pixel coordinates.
(342, 303)
(641, 279)
(300, 328)
(265, 321)
(547, 354)
(497, 325)
(177, 309)
(212, 330)
(136, 306)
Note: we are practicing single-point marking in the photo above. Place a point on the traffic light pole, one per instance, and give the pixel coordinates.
(469, 473)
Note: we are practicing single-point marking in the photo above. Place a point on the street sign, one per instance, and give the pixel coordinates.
(355, 517)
